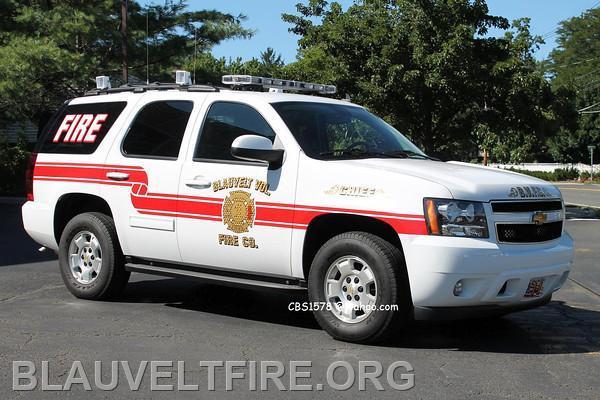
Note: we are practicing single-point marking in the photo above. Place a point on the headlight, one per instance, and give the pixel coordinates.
(455, 218)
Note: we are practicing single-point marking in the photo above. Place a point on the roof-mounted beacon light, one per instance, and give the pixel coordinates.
(102, 82)
(279, 84)
(183, 78)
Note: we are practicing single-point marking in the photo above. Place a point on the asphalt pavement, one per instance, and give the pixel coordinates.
(552, 352)
(581, 194)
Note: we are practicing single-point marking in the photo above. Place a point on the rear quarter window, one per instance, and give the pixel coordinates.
(157, 130)
(80, 128)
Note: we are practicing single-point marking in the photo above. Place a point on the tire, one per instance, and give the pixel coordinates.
(103, 277)
(362, 251)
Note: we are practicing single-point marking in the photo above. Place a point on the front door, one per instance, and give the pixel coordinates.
(235, 214)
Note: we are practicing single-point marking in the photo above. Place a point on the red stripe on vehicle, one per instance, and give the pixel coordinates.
(71, 165)
(341, 210)
(168, 214)
(135, 175)
(210, 208)
(81, 180)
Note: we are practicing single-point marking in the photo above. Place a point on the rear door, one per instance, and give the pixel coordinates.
(236, 214)
(144, 167)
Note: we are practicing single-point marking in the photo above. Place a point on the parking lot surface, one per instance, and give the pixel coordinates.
(549, 352)
(580, 194)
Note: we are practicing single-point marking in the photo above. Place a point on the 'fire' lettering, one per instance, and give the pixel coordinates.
(78, 128)
(84, 124)
(64, 126)
(72, 128)
(90, 137)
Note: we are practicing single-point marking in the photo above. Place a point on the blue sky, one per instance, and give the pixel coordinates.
(264, 16)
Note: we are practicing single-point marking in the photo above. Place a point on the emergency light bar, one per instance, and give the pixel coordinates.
(281, 84)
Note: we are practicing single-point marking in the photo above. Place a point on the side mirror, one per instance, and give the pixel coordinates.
(256, 148)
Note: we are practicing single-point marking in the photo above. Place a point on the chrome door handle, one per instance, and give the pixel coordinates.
(117, 176)
(199, 182)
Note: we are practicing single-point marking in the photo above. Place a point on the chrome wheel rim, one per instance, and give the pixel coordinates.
(85, 257)
(351, 289)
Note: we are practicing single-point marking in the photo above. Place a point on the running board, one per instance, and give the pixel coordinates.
(237, 280)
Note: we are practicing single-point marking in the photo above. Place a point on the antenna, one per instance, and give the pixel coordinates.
(195, 52)
(147, 49)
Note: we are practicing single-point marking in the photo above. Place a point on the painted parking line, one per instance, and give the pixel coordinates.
(587, 190)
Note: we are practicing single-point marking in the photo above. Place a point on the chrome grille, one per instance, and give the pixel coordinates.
(528, 233)
(528, 221)
(525, 206)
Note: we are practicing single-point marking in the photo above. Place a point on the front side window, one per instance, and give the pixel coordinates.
(336, 131)
(158, 129)
(225, 122)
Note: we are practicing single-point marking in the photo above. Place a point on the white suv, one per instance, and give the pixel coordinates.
(288, 191)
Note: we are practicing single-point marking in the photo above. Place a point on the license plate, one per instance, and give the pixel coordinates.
(535, 288)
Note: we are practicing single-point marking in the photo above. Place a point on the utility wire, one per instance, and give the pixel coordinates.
(575, 63)
(554, 32)
(588, 107)
(587, 74)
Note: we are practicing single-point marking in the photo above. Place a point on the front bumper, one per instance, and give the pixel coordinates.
(457, 313)
(494, 277)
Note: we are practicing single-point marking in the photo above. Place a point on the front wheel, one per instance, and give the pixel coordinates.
(362, 280)
(90, 258)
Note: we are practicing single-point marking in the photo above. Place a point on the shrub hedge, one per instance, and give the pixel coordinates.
(13, 163)
(560, 174)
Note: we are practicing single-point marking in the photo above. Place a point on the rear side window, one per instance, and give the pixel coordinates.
(80, 128)
(158, 129)
(223, 124)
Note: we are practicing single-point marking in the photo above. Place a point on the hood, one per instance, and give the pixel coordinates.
(466, 181)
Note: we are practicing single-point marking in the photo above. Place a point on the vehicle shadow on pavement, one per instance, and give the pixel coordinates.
(556, 328)
(16, 247)
(257, 305)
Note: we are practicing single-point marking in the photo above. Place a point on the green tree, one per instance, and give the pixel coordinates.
(209, 70)
(574, 67)
(51, 50)
(522, 109)
(271, 61)
(13, 161)
(428, 68)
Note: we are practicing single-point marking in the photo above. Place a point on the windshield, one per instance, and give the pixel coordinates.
(335, 131)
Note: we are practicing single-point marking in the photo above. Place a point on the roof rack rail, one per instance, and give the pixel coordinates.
(152, 86)
(249, 82)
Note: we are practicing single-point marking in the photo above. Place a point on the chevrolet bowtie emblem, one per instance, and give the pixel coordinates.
(539, 218)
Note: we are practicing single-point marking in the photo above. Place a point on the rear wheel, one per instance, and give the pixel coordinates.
(90, 258)
(362, 280)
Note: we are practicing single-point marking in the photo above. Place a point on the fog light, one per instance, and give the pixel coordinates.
(458, 287)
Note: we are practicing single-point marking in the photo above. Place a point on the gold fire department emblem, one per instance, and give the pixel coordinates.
(238, 211)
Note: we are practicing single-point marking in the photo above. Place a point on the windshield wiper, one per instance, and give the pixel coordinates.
(363, 153)
(385, 154)
(411, 154)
